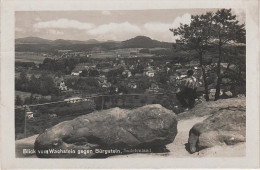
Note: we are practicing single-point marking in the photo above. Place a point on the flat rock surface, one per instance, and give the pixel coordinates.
(211, 107)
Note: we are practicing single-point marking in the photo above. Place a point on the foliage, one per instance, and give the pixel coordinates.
(88, 84)
(208, 31)
(24, 64)
(144, 50)
(226, 29)
(18, 100)
(89, 72)
(196, 36)
(43, 85)
(63, 65)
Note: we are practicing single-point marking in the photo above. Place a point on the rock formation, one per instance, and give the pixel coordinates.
(226, 125)
(111, 131)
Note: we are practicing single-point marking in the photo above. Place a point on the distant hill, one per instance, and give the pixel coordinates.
(62, 42)
(92, 41)
(32, 44)
(144, 42)
(32, 40)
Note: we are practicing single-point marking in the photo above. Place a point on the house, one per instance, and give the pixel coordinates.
(176, 64)
(102, 79)
(29, 115)
(88, 99)
(154, 88)
(62, 86)
(127, 73)
(131, 67)
(75, 73)
(183, 76)
(132, 85)
(149, 73)
(80, 67)
(168, 69)
(73, 100)
(105, 84)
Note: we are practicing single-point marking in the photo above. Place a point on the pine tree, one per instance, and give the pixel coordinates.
(196, 36)
(225, 29)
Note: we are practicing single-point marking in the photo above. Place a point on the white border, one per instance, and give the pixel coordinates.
(9, 161)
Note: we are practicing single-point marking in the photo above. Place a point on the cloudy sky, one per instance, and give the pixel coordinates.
(105, 25)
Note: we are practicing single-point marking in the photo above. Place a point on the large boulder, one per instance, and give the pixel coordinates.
(112, 131)
(226, 126)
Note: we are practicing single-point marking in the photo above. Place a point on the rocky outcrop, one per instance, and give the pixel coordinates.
(226, 125)
(112, 131)
(212, 107)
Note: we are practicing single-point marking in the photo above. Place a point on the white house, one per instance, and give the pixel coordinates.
(29, 115)
(183, 76)
(76, 73)
(73, 100)
(149, 73)
(62, 86)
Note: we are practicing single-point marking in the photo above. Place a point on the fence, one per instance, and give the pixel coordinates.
(49, 113)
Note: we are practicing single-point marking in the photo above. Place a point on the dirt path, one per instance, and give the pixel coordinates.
(177, 148)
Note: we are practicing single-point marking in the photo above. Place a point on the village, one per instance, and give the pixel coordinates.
(117, 76)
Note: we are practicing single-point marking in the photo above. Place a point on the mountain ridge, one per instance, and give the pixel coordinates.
(44, 45)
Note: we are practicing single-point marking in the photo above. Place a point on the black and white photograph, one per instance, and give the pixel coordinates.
(111, 84)
(130, 83)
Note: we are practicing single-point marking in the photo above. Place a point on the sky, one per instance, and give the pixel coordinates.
(106, 25)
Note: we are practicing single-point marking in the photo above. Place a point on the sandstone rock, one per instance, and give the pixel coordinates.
(227, 126)
(228, 94)
(150, 126)
(212, 107)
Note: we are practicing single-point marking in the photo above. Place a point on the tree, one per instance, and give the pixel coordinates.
(84, 73)
(144, 50)
(225, 29)
(196, 36)
(34, 84)
(93, 73)
(18, 100)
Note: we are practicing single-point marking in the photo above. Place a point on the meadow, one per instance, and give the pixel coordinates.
(29, 57)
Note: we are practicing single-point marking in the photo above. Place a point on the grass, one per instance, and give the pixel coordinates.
(23, 95)
(28, 57)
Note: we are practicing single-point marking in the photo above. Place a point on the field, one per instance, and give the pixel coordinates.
(126, 52)
(24, 95)
(29, 57)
